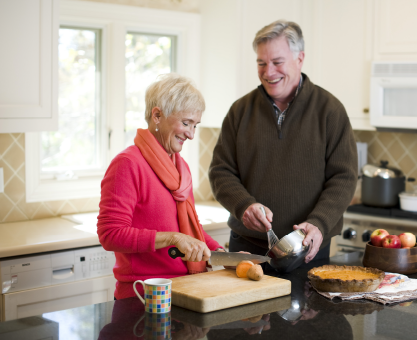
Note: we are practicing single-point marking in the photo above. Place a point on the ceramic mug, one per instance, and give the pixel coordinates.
(157, 295)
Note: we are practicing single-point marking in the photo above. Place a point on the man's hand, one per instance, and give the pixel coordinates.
(254, 219)
(312, 234)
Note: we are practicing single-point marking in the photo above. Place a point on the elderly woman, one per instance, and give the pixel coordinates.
(147, 202)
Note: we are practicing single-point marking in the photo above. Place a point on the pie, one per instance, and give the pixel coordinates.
(345, 279)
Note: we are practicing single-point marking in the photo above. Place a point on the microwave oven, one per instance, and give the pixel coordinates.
(393, 102)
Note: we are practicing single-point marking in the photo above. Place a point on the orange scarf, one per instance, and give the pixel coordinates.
(177, 178)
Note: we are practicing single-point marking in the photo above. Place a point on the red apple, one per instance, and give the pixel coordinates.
(391, 241)
(377, 236)
(407, 240)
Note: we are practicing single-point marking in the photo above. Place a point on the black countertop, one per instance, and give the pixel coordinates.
(302, 315)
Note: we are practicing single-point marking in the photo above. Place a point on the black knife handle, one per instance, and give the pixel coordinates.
(174, 252)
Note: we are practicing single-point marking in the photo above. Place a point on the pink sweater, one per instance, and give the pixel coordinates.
(134, 206)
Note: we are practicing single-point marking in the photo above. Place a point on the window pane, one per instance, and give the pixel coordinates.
(75, 145)
(147, 56)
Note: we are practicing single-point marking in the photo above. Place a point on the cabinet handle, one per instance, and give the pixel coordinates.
(366, 110)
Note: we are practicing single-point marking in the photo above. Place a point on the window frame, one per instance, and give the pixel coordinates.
(115, 21)
(101, 135)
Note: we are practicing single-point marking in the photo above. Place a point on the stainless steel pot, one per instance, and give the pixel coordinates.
(381, 185)
(289, 252)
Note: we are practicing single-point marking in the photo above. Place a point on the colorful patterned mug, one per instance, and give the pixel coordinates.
(157, 294)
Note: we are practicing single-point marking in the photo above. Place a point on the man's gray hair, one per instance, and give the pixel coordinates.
(279, 28)
(173, 93)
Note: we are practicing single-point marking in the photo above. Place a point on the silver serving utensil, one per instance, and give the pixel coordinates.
(272, 238)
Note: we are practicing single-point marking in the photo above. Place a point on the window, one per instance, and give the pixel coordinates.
(108, 55)
(76, 145)
(147, 56)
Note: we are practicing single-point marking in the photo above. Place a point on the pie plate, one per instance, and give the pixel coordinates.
(346, 279)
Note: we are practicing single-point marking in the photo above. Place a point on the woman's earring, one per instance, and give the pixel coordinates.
(156, 129)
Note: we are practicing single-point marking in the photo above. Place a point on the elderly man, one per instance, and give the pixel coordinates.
(287, 146)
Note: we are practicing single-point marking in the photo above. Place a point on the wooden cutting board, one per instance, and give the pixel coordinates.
(210, 291)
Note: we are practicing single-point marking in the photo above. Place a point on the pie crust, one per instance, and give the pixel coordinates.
(348, 279)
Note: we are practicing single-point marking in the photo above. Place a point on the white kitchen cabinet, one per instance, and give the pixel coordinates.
(219, 58)
(28, 65)
(395, 30)
(341, 49)
(338, 52)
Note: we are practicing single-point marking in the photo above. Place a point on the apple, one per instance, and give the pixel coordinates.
(391, 241)
(377, 236)
(407, 240)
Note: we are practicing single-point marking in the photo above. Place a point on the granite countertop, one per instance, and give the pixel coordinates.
(302, 315)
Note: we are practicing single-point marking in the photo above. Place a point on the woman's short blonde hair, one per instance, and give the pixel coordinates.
(173, 93)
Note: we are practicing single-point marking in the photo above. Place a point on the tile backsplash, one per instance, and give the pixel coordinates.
(399, 149)
(13, 205)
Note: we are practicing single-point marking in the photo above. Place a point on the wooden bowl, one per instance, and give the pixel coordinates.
(402, 261)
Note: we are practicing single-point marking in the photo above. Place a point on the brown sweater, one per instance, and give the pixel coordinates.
(307, 175)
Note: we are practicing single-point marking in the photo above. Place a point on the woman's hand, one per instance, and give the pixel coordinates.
(194, 249)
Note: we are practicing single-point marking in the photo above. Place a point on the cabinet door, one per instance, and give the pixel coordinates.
(28, 65)
(395, 29)
(341, 52)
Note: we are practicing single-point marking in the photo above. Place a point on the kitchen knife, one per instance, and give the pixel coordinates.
(219, 258)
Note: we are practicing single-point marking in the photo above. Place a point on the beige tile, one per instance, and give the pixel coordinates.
(396, 150)
(67, 208)
(413, 174)
(15, 156)
(375, 150)
(197, 195)
(22, 173)
(212, 145)
(42, 212)
(205, 135)
(412, 151)
(205, 189)
(7, 171)
(408, 139)
(91, 205)
(15, 189)
(201, 173)
(366, 136)
(5, 206)
(386, 138)
(54, 206)
(21, 140)
(15, 216)
(79, 203)
(28, 208)
(407, 164)
(205, 160)
(6, 140)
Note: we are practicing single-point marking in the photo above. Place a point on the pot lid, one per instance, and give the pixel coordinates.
(382, 170)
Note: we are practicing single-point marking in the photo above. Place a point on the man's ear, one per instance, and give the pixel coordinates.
(300, 59)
